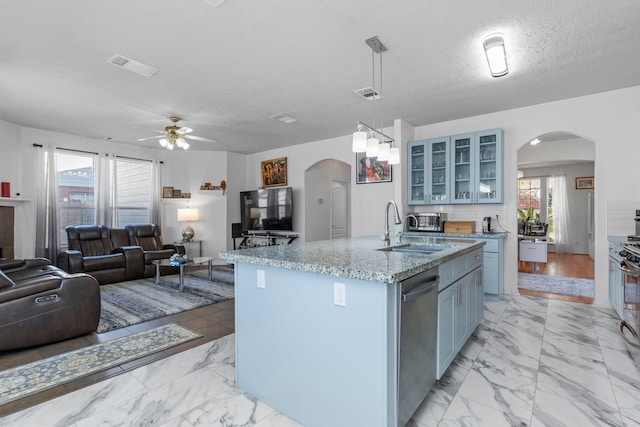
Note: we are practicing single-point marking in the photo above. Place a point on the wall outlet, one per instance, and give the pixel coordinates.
(260, 279)
(339, 294)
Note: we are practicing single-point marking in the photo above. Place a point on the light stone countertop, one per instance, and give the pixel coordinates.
(497, 235)
(355, 258)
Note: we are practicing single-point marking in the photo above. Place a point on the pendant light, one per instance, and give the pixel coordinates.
(378, 144)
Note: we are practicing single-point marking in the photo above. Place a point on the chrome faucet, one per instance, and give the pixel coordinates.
(397, 220)
(413, 217)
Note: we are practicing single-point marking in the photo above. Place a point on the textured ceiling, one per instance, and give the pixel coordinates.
(227, 70)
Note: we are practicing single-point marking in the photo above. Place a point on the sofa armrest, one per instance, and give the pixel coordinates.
(177, 247)
(134, 261)
(70, 261)
(23, 264)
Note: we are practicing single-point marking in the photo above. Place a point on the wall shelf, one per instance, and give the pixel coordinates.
(176, 199)
(12, 201)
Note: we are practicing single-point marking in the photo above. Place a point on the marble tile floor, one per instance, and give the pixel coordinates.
(531, 362)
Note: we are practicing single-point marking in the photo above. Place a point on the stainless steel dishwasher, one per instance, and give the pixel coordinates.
(418, 339)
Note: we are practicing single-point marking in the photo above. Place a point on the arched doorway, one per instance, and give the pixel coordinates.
(327, 187)
(556, 173)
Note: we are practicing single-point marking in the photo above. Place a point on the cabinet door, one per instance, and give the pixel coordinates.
(462, 168)
(490, 273)
(417, 173)
(446, 347)
(460, 312)
(439, 161)
(488, 169)
(479, 290)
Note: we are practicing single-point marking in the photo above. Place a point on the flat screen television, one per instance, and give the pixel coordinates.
(268, 209)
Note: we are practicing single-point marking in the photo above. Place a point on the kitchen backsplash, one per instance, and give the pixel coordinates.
(620, 217)
(474, 213)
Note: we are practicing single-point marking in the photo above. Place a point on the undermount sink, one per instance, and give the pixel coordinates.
(412, 248)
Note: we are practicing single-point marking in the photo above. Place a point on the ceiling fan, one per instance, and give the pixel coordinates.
(176, 136)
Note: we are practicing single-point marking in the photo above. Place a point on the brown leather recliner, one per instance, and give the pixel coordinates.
(41, 304)
(149, 238)
(92, 251)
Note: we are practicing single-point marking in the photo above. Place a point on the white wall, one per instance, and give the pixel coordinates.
(187, 171)
(609, 119)
(367, 200)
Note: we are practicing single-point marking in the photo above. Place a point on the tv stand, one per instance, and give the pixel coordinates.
(252, 239)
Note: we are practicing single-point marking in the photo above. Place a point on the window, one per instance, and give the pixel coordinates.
(529, 196)
(133, 191)
(535, 200)
(76, 204)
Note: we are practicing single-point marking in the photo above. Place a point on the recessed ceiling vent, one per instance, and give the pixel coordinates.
(215, 3)
(132, 65)
(284, 118)
(368, 93)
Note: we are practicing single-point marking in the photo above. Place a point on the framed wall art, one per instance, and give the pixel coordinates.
(167, 192)
(274, 172)
(584, 183)
(370, 169)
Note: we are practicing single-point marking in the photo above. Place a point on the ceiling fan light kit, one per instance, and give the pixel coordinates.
(378, 144)
(175, 135)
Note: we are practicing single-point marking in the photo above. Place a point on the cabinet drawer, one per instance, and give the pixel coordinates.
(533, 251)
(491, 246)
(474, 259)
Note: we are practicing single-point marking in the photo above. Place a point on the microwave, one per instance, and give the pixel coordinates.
(428, 221)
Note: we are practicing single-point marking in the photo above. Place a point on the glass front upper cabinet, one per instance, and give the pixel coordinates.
(489, 167)
(462, 171)
(417, 173)
(438, 186)
(459, 169)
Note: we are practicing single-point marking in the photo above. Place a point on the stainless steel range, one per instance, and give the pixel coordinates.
(630, 266)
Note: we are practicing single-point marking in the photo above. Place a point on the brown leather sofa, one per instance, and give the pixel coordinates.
(115, 255)
(40, 304)
(149, 238)
(103, 253)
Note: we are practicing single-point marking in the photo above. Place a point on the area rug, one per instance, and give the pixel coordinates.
(25, 380)
(556, 284)
(137, 301)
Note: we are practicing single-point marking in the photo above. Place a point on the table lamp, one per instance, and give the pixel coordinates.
(188, 214)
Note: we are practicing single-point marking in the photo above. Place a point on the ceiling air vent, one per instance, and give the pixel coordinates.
(368, 93)
(215, 3)
(132, 65)
(284, 118)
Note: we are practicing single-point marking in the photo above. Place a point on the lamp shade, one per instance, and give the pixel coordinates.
(384, 151)
(359, 144)
(188, 214)
(394, 156)
(372, 147)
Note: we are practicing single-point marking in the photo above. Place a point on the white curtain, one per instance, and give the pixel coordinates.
(155, 211)
(104, 187)
(47, 226)
(560, 214)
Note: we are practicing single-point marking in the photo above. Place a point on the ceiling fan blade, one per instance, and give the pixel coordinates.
(151, 137)
(184, 130)
(199, 138)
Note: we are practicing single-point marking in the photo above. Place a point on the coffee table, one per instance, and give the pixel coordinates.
(193, 261)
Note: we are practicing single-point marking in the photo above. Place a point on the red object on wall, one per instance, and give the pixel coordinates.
(6, 189)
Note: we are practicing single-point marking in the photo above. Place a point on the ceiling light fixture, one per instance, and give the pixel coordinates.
(496, 55)
(535, 141)
(377, 144)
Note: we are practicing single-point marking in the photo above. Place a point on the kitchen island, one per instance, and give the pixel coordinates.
(318, 325)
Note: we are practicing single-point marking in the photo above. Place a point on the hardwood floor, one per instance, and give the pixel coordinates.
(578, 266)
(212, 321)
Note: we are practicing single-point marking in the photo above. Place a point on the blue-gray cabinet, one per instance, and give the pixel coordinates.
(459, 169)
(477, 167)
(460, 306)
(429, 162)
